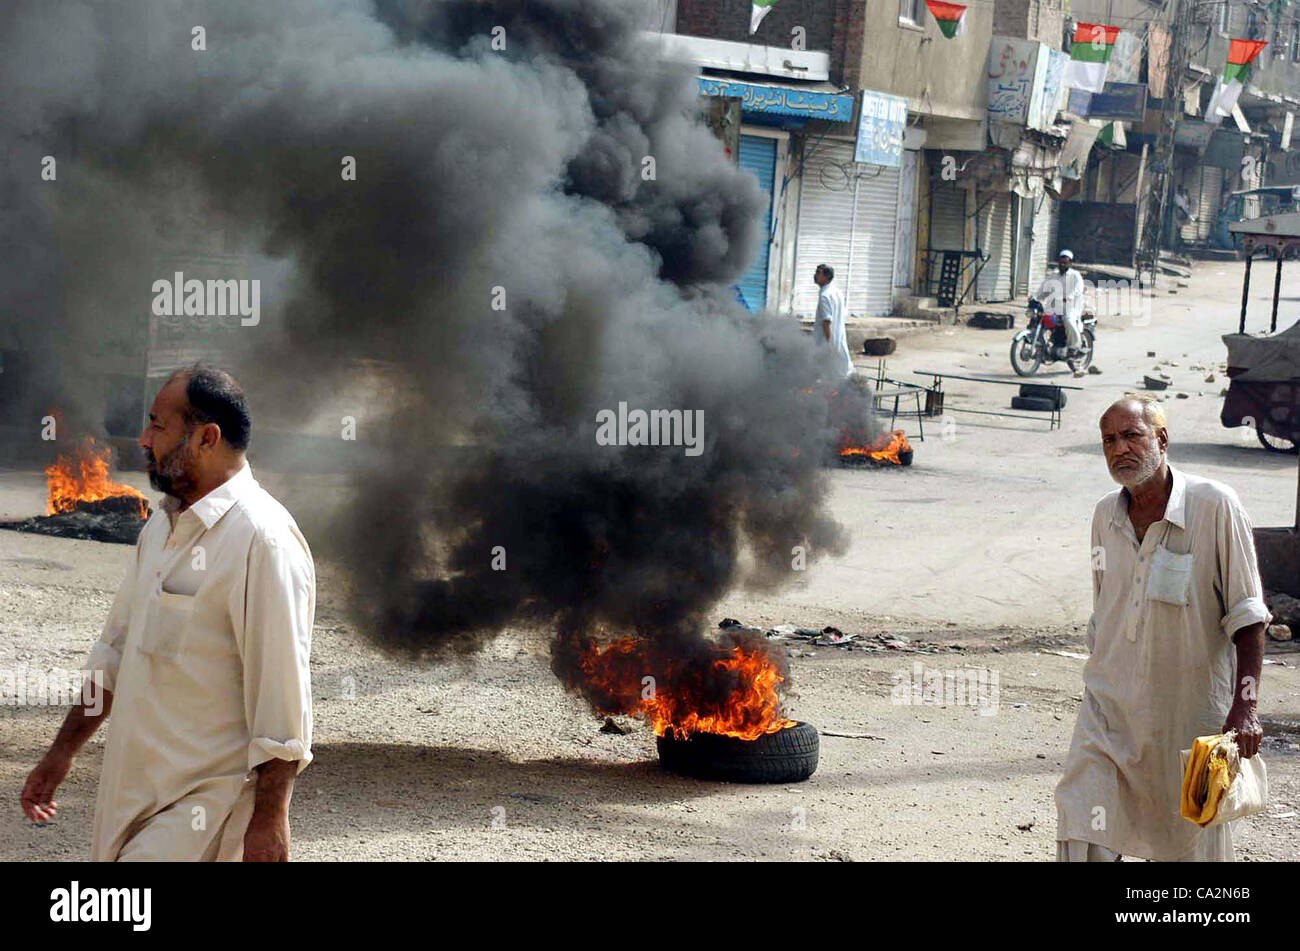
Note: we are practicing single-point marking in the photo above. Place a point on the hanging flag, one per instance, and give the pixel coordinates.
(1089, 56)
(1078, 143)
(951, 17)
(758, 11)
(1241, 53)
(1112, 136)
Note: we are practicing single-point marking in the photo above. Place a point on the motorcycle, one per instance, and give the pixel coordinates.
(1044, 341)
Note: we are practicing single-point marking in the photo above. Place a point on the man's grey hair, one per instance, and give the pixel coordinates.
(1152, 411)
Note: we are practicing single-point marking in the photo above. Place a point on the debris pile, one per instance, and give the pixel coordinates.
(829, 636)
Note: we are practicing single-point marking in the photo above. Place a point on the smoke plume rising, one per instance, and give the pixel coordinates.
(484, 176)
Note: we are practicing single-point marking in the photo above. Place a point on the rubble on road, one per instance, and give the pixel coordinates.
(829, 636)
(990, 320)
(1286, 609)
(833, 637)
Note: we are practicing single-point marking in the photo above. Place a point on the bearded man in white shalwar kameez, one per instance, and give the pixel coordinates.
(1177, 641)
(204, 658)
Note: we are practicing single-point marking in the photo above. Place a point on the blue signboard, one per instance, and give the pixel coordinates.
(1125, 102)
(781, 101)
(881, 124)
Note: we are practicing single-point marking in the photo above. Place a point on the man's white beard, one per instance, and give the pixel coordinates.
(1147, 467)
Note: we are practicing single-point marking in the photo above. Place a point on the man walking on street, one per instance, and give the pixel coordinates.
(828, 326)
(1177, 642)
(204, 657)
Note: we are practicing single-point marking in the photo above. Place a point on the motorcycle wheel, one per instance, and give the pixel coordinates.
(1023, 361)
(1089, 348)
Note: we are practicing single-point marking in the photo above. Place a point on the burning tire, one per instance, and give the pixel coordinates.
(786, 756)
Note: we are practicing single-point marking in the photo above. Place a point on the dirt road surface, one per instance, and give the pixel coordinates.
(977, 554)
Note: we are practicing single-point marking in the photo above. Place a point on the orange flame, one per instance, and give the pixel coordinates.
(677, 701)
(85, 479)
(885, 448)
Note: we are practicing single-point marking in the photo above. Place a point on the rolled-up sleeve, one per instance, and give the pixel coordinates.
(1240, 590)
(106, 655)
(279, 608)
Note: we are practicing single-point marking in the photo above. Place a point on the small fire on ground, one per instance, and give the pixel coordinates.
(83, 502)
(889, 448)
(735, 691)
(82, 481)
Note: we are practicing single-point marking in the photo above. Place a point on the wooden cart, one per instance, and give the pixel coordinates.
(1269, 397)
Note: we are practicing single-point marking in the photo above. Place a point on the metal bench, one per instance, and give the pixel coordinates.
(894, 392)
(936, 404)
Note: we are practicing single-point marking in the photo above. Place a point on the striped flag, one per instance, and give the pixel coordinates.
(758, 11)
(1089, 56)
(951, 17)
(1241, 53)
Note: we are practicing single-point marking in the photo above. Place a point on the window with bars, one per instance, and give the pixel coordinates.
(910, 10)
(1295, 41)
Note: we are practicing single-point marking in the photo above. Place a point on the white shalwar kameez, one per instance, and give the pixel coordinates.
(206, 651)
(1162, 671)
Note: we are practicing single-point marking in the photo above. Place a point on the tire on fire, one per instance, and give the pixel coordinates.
(786, 756)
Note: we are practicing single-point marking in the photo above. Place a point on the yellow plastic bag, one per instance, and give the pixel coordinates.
(1218, 785)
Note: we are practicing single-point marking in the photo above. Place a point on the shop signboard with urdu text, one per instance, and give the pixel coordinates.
(882, 121)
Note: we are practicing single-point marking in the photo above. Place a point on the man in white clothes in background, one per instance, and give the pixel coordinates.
(1062, 294)
(828, 325)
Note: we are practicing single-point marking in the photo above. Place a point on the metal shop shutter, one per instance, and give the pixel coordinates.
(1190, 181)
(947, 217)
(848, 215)
(995, 240)
(1047, 220)
(1208, 210)
(758, 157)
(905, 237)
(1204, 186)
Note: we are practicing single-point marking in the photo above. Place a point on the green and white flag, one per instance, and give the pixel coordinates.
(1090, 56)
(758, 11)
(1241, 53)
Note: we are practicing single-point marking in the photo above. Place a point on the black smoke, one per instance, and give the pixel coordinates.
(481, 172)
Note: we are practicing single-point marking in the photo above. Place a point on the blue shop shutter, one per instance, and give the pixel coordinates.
(758, 157)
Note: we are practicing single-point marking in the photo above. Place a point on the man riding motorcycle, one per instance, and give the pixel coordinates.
(1061, 294)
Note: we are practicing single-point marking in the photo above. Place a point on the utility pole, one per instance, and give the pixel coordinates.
(1162, 156)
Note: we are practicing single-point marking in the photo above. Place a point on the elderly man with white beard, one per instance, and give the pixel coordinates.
(1176, 594)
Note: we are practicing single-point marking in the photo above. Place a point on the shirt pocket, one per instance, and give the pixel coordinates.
(1170, 579)
(166, 625)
